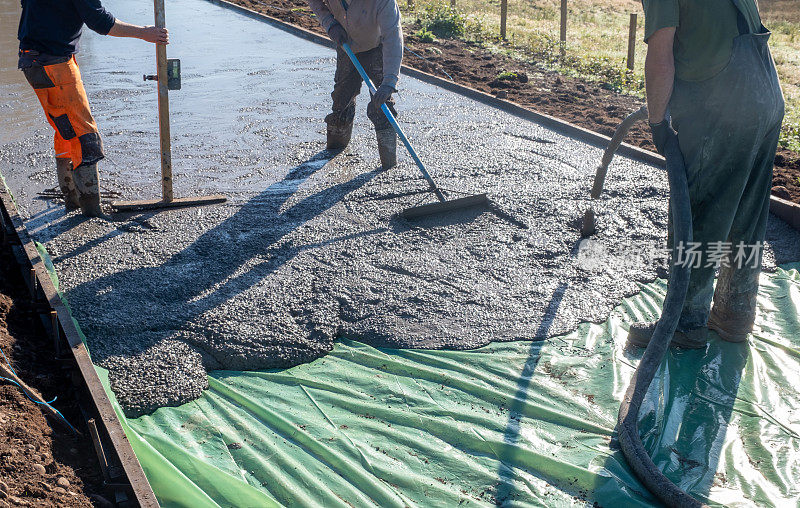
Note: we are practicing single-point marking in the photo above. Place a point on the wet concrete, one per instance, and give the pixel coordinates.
(310, 246)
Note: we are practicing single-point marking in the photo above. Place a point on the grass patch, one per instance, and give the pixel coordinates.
(790, 137)
(782, 17)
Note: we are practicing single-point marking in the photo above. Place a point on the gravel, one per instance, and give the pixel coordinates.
(310, 247)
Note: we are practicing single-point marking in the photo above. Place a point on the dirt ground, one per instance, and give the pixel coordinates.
(41, 462)
(587, 104)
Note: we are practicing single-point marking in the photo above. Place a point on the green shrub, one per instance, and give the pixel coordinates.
(443, 21)
(425, 35)
(790, 136)
(507, 76)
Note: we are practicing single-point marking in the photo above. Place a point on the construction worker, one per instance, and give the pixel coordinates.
(709, 67)
(49, 32)
(372, 28)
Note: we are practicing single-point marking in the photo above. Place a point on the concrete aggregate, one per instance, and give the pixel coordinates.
(310, 247)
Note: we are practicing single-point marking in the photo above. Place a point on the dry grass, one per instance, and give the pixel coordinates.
(783, 10)
(597, 41)
(783, 18)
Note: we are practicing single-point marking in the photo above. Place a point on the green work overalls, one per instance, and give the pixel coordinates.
(728, 128)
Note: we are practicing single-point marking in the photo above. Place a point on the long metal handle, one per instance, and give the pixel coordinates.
(393, 121)
(163, 107)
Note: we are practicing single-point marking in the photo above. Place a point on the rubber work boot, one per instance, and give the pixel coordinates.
(87, 181)
(730, 327)
(339, 136)
(640, 333)
(387, 147)
(67, 184)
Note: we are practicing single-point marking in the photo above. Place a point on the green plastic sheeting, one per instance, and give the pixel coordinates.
(523, 423)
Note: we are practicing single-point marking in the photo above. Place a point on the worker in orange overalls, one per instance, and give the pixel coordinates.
(49, 32)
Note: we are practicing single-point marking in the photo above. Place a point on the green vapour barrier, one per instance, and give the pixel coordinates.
(521, 423)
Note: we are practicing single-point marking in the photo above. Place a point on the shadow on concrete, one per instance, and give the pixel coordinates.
(134, 224)
(164, 298)
(506, 471)
(399, 224)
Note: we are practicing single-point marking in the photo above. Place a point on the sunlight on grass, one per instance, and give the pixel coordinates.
(597, 40)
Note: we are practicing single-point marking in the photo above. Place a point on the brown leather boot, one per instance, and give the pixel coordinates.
(87, 181)
(339, 136)
(387, 147)
(67, 184)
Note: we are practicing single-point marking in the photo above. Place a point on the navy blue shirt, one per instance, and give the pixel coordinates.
(52, 28)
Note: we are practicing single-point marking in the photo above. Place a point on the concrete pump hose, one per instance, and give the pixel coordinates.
(622, 131)
(627, 423)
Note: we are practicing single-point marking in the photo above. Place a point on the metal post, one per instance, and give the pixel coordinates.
(632, 41)
(163, 107)
(503, 15)
(563, 37)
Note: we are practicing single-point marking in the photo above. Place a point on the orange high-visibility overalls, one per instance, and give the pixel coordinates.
(60, 91)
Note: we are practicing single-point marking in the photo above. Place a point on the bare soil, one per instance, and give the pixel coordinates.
(588, 104)
(42, 463)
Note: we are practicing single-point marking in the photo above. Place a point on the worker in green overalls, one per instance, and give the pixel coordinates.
(709, 68)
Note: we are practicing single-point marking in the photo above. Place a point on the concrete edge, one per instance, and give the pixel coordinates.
(58, 320)
(551, 122)
(786, 210)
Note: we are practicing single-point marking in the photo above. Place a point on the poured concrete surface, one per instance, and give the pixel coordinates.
(310, 246)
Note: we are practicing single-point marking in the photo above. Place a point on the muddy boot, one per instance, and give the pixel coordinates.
(387, 147)
(339, 136)
(87, 182)
(640, 333)
(731, 326)
(67, 184)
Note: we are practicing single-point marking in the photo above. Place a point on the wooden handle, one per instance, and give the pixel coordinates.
(163, 107)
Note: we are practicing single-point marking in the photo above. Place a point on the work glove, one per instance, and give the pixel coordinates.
(338, 34)
(381, 95)
(661, 131)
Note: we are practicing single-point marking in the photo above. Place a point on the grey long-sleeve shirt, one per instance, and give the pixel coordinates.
(369, 23)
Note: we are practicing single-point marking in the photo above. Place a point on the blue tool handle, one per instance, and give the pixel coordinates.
(393, 121)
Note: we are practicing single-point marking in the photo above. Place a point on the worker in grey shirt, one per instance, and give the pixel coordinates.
(372, 28)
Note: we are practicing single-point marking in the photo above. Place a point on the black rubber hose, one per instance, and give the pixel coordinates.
(627, 423)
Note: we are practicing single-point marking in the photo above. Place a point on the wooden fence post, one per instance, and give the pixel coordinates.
(503, 15)
(632, 41)
(563, 38)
